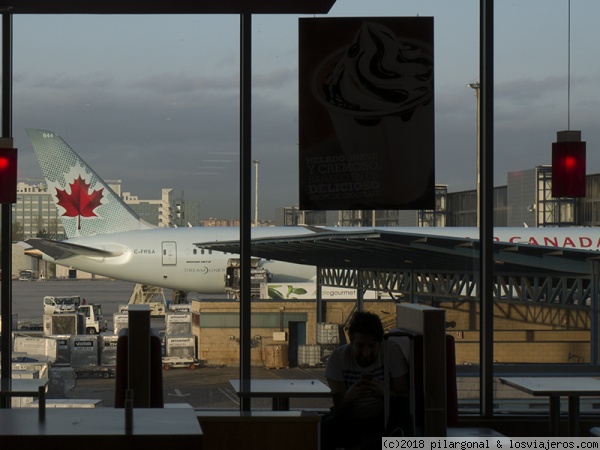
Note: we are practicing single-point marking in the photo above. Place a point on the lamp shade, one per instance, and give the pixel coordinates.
(8, 175)
(568, 169)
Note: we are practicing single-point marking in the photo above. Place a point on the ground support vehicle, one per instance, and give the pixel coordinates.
(180, 302)
(94, 321)
(259, 278)
(91, 320)
(61, 304)
(152, 296)
(28, 275)
(172, 362)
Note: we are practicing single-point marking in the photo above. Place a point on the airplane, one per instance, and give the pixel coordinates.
(105, 237)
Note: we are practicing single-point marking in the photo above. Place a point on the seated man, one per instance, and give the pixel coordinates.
(355, 374)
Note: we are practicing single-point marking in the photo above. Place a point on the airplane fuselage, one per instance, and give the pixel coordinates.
(168, 257)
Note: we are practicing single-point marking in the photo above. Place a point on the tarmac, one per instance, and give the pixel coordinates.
(203, 388)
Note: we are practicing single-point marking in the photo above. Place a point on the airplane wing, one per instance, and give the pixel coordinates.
(400, 250)
(61, 250)
(359, 249)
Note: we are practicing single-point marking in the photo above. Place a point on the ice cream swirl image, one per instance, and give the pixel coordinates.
(378, 74)
(377, 93)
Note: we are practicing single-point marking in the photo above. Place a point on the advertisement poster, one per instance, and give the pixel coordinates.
(366, 113)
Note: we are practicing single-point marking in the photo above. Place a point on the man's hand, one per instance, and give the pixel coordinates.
(364, 388)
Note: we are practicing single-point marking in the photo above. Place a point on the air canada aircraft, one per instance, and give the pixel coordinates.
(105, 237)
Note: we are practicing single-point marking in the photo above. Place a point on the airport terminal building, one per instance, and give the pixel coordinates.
(525, 200)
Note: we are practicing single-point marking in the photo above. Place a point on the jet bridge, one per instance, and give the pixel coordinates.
(564, 290)
(436, 268)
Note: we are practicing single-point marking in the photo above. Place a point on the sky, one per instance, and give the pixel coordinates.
(154, 100)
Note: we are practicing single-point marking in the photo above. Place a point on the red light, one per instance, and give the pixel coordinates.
(570, 163)
(568, 169)
(8, 175)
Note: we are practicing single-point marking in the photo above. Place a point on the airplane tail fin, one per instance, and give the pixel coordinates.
(85, 203)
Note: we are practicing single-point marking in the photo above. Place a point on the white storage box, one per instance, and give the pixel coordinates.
(328, 333)
(309, 355)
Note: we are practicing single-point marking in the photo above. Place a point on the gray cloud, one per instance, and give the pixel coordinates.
(153, 137)
(153, 121)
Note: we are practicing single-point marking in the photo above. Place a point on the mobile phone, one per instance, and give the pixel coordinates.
(367, 376)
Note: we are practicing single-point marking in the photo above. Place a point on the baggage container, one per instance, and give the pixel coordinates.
(120, 321)
(178, 323)
(183, 346)
(58, 324)
(63, 350)
(84, 350)
(85, 357)
(180, 351)
(61, 381)
(39, 367)
(40, 348)
(108, 350)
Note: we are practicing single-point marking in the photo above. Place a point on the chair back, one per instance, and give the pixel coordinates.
(412, 347)
(122, 378)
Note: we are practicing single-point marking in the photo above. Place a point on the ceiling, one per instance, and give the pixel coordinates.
(167, 6)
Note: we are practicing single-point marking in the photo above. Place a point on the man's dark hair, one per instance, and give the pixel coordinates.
(364, 322)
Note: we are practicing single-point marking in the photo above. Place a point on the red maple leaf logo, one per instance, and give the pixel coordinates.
(79, 203)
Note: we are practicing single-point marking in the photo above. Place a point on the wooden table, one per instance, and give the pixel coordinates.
(260, 430)
(69, 428)
(282, 390)
(555, 388)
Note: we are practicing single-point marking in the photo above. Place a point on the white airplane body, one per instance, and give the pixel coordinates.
(167, 257)
(105, 237)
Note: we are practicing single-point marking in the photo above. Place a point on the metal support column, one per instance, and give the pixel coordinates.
(6, 231)
(594, 319)
(321, 310)
(486, 230)
(245, 205)
(412, 298)
(360, 292)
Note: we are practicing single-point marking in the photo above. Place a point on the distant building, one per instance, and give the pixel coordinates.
(293, 216)
(213, 222)
(34, 214)
(526, 200)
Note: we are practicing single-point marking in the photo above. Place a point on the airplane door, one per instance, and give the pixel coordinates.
(169, 253)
